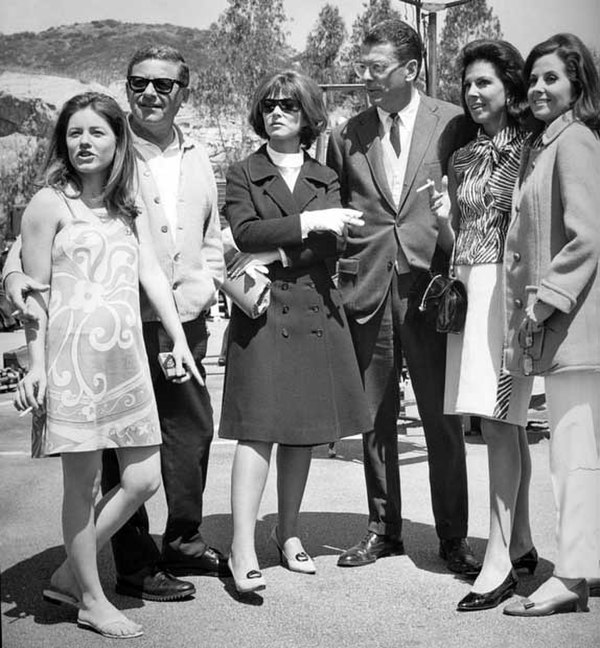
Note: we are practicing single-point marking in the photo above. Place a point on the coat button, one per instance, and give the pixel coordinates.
(314, 309)
(157, 199)
(318, 332)
(176, 285)
(285, 309)
(518, 303)
(164, 229)
(516, 256)
(177, 256)
(285, 333)
(284, 286)
(390, 265)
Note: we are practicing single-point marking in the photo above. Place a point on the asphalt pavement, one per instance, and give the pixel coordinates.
(406, 601)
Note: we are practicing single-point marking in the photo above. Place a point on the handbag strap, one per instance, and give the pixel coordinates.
(422, 306)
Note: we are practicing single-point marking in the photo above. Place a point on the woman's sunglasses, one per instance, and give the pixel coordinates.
(162, 86)
(287, 105)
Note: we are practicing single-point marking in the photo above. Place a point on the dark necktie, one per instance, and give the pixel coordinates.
(395, 133)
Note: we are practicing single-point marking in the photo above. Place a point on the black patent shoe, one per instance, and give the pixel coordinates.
(475, 601)
(527, 561)
(154, 584)
(371, 548)
(459, 557)
(210, 563)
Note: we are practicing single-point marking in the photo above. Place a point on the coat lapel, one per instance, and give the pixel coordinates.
(368, 136)
(424, 128)
(262, 170)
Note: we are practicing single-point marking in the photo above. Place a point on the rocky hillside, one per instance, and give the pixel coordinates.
(96, 51)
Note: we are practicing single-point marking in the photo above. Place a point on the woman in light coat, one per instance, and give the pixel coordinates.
(553, 302)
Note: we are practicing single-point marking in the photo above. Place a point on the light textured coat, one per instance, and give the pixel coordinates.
(553, 248)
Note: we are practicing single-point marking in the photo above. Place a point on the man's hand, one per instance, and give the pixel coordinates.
(18, 286)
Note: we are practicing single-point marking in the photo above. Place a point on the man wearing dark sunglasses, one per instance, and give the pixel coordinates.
(177, 193)
(386, 157)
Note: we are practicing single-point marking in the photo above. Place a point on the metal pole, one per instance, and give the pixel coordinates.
(432, 76)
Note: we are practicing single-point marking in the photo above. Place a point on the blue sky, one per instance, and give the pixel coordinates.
(524, 22)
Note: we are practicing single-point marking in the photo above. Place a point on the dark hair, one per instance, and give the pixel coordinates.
(161, 53)
(508, 64)
(296, 86)
(406, 41)
(58, 170)
(581, 71)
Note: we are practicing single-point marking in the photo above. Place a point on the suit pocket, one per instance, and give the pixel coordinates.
(348, 268)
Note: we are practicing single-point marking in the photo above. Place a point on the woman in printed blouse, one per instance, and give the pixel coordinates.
(482, 176)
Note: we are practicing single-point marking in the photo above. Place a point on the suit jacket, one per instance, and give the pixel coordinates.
(355, 153)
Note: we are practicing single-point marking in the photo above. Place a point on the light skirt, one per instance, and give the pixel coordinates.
(475, 383)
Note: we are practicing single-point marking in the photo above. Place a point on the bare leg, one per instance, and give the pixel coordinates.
(293, 464)
(521, 541)
(505, 476)
(140, 478)
(248, 479)
(81, 477)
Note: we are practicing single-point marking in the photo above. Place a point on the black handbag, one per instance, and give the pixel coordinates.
(444, 304)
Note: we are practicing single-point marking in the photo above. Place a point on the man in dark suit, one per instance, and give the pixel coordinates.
(384, 157)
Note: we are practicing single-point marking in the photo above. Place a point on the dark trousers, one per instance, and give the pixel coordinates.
(186, 423)
(397, 328)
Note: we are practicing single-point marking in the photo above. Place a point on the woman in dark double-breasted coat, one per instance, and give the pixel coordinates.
(291, 376)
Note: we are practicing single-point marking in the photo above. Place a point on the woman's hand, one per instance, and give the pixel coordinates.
(31, 390)
(245, 262)
(538, 312)
(185, 365)
(335, 220)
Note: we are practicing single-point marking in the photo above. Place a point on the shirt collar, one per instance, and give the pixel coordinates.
(290, 160)
(407, 115)
(179, 142)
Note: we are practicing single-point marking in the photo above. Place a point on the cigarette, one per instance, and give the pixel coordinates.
(15, 313)
(25, 411)
(429, 183)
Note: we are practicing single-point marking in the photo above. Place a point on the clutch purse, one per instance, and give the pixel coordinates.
(444, 304)
(251, 294)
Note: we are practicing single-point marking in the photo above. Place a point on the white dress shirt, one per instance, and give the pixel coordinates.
(395, 166)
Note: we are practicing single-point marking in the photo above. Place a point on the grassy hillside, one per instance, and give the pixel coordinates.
(95, 51)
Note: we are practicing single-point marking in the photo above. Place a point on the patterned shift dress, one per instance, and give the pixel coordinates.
(486, 170)
(99, 392)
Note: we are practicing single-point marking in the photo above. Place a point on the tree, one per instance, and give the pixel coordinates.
(463, 24)
(248, 41)
(323, 46)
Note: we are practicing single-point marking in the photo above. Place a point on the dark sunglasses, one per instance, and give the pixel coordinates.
(162, 86)
(287, 105)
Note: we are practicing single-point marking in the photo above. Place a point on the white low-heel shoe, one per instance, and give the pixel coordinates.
(251, 581)
(301, 562)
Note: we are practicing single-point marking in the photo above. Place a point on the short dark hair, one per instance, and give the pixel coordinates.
(508, 63)
(406, 41)
(58, 171)
(296, 86)
(161, 53)
(581, 72)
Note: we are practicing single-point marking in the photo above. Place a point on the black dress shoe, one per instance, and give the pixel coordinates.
(369, 549)
(154, 585)
(527, 561)
(474, 601)
(210, 563)
(459, 556)
(594, 586)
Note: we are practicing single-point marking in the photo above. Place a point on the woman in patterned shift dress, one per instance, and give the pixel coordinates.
(87, 363)
(481, 180)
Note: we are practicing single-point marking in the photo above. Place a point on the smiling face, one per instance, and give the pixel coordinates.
(388, 81)
(91, 143)
(284, 120)
(485, 96)
(150, 109)
(550, 92)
